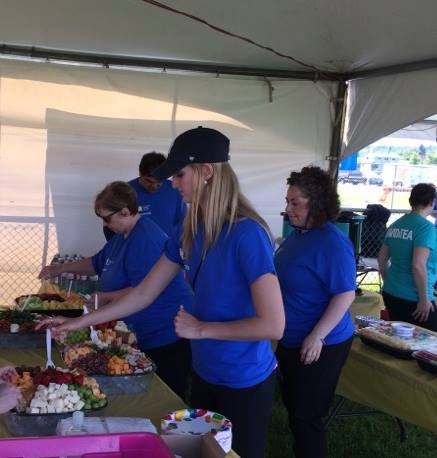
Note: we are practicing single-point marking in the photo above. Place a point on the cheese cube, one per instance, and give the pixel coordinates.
(44, 391)
(59, 405)
(63, 388)
(37, 403)
(79, 405)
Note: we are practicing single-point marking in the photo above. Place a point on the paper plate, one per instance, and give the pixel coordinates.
(198, 421)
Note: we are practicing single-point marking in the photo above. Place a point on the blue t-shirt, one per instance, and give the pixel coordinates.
(405, 234)
(312, 267)
(435, 212)
(165, 206)
(221, 286)
(125, 262)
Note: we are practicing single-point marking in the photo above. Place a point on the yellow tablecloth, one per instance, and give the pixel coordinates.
(397, 387)
(369, 304)
(380, 381)
(157, 401)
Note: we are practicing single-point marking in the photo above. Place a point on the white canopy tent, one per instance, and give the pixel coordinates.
(272, 78)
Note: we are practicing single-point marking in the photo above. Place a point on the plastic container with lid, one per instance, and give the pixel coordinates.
(63, 281)
(94, 280)
(77, 428)
(70, 282)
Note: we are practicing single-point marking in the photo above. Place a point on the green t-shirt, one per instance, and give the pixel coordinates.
(408, 232)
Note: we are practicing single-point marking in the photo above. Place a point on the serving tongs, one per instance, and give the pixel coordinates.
(50, 362)
(93, 333)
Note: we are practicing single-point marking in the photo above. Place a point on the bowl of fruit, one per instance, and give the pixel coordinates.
(50, 395)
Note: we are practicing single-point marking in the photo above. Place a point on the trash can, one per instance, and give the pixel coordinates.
(355, 222)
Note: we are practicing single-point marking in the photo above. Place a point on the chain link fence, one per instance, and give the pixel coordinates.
(25, 248)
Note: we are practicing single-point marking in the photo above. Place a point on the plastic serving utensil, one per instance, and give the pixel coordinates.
(25, 303)
(93, 333)
(50, 363)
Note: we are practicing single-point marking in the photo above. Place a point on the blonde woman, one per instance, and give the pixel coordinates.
(226, 250)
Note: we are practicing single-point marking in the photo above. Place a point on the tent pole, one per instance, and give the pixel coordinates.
(337, 132)
(107, 60)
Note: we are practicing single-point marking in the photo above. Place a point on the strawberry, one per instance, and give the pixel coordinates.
(60, 378)
(78, 379)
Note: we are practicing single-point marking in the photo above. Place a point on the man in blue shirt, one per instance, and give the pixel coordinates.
(156, 199)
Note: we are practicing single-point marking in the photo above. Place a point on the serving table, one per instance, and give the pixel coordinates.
(154, 403)
(387, 384)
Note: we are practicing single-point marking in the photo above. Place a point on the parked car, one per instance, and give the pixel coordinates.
(378, 181)
(352, 176)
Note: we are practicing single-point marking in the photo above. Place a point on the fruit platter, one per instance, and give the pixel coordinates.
(49, 395)
(112, 333)
(386, 337)
(427, 360)
(115, 362)
(45, 303)
(17, 329)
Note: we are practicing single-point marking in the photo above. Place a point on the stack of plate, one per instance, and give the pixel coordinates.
(364, 321)
(403, 330)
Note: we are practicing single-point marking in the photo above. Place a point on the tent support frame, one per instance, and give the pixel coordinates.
(337, 132)
(106, 60)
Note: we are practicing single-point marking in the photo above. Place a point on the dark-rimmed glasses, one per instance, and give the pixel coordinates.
(107, 218)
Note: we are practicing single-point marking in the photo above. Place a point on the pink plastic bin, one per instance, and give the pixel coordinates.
(128, 445)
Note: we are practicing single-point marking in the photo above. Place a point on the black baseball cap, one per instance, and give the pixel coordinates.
(195, 146)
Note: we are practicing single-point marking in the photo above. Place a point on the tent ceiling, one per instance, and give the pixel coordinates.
(339, 35)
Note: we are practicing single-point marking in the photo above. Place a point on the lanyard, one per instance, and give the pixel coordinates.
(193, 281)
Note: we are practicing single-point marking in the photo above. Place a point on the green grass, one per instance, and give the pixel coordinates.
(370, 436)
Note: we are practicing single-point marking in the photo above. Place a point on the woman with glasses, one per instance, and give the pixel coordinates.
(121, 265)
(226, 250)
